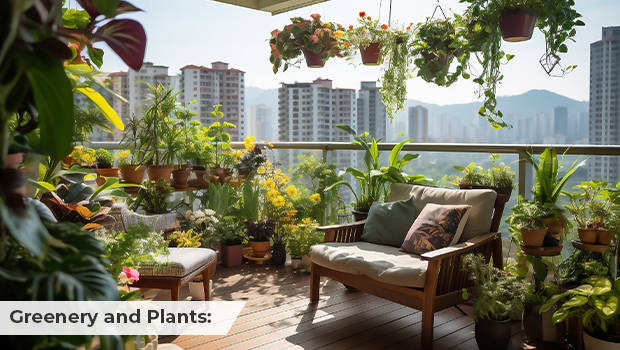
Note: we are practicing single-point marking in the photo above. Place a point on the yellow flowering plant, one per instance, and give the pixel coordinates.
(82, 154)
(301, 237)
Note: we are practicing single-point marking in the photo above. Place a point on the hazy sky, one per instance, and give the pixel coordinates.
(199, 32)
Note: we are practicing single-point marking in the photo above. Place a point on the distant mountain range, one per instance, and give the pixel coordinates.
(524, 105)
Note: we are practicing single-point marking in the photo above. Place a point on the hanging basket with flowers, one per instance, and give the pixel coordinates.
(369, 37)
(316, 39)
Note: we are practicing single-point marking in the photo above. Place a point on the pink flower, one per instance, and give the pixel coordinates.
(314, 38)
(275, 33)
(132, 275)
(317, 32)
(363, 31)
(327, 30)
(315, 16)
(276, 54)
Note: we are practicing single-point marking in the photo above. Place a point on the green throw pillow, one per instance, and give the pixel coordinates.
(389, 223)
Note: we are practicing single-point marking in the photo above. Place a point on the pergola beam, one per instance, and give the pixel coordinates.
(273, 6)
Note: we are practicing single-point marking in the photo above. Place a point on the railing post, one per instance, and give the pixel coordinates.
(522, 172)
(325, 154)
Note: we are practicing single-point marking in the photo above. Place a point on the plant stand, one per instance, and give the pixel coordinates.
(598, 248)
(259, 261)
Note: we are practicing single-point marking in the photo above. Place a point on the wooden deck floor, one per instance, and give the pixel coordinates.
(277, 315)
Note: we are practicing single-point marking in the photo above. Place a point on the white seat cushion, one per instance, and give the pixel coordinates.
(382, 263)
(482, 204)
(180, 263)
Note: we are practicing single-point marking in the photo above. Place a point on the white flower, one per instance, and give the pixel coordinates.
(199, 214)
(122, 277)
(209, 212)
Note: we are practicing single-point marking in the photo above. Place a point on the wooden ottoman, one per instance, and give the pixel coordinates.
(177, 269)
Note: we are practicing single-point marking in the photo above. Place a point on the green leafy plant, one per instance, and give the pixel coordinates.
(103, 156)
(260, 231)
(498, 294)
(595, 302)
(581, 264)
(304, 34)
(590, 207)
(249, 205)
(500, 175)
(474, 175)
(217, 135)
(154, 197)
(131, 248)
(397, 62)
(437, 43)
(231, 231)
(222, 198)
(302, 237)
(316, 175)
(530, 215)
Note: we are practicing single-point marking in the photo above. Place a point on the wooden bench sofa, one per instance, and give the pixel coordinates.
(443, 280)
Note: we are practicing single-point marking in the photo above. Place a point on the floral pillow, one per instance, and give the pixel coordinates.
(437, 226)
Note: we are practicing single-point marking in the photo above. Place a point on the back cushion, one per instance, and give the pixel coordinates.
(482, 203)
(388, 223)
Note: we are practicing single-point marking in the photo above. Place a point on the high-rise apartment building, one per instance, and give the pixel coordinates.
(418, 124)
(139, 94)
(604, 102)
(371, 113)
(259, 123)
(218, 85)
(560, 120)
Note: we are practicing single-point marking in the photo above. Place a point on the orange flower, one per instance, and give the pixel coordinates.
(302, 25)
(408, 28)
(351, 27)
(362, 14)
(347, 44)
(328, 25)
(384, 26)
(368, 18)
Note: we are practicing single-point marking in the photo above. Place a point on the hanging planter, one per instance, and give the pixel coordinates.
(317, 40)
(370, 54)
(517, 25)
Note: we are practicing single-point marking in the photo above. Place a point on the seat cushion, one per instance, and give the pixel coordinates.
(379, 262)
(181, 262)
(437, 226)
(388, 223)
(482, 204)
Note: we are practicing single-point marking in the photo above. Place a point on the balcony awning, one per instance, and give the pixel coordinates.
(273, 6)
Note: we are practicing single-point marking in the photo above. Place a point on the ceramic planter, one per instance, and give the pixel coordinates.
(539, 326)
(313, 59)
(197, 290)
(592, 343)
(232, 255)
(132, 174)
(359, 215)
(516, 25)
(260, 249)
(14, 159)
(306, 262)
(180, 178)
(533, 238)
(370, 54)
(295, 262)
(492, 335)
(157, 171)
(587, 235)
(278, 254)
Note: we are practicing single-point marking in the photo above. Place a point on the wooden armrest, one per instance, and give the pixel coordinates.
(357, 224)
(459, 248)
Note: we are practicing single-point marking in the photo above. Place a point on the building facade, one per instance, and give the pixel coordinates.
(259, 123)
(371, 113)
(418, 124)
(218, 85)
(604, 98)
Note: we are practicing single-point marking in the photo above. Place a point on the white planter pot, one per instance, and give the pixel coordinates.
(306, 262)
(196, 290)
(295, 263)
(152, 345)
(549, 329)
(592, 343)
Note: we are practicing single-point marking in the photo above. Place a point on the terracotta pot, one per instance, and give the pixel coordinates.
(603, 236)
(232, 255)
(533, 238)
(180, 178)
(108, 172)
(14, 159)
(260, 249)
(516, 25)
(200, 178)
(313, 59)
(132, 174)
(157, 171)
(587, 235)
(359, 215)
(492, 335)
(370, 54)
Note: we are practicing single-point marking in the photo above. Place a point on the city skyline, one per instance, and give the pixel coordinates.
(239, 36)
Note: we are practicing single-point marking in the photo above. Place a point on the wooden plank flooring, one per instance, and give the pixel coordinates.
(277, 315)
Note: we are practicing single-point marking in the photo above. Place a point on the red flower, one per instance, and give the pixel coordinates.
(368, 18)
(351, 27)
(315, 16)
(408, 28)
(362, 14)
(384, 26)
(302, 25)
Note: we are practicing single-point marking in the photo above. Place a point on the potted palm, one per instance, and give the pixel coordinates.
(596, 303)
(591, 209)
(498, 295)
(437, 43)
(315, 39)
(368, 37)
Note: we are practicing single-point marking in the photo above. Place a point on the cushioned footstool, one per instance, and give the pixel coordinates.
(177, 270)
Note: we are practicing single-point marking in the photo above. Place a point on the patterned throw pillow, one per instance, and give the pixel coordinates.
(437, 226)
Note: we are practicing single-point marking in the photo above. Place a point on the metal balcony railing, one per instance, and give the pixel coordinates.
(518, 149)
